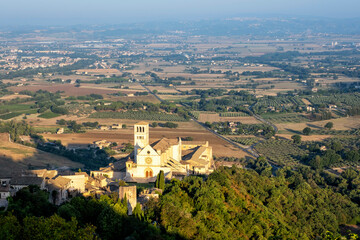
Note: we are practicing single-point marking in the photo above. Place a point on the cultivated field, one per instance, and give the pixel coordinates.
(214, 117)
(306, 138)
(100, 71)
(68, 89)
(346, 123)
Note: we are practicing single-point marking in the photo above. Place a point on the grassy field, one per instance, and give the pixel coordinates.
(48, 115)
(15, 107)
(15, 110)
(16, 157)
(42, 129)
(7, 116)
(340, 124)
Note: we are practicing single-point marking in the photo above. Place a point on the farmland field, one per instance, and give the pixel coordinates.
(215, 117)
(48, 115)
(9, 115)
(69, 89)
(285, 117)
(346, 123)
(138, 116)
(348, 99)
(281, 152)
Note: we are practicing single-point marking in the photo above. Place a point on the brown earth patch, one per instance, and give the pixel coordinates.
(14, 96)
(344, 123)
(306, 138)
(69, 89)
(99, 71)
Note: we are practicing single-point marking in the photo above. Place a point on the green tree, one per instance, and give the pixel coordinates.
(31, 201)
(316, 162)
(307, 131)
(336, 146)
(296, 139)
(10, 227)
(329, 125)
(40, 228)
(160, 180)
(138, 212)
(353, 156)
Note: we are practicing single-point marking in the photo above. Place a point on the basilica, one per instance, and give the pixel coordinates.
(173, 156)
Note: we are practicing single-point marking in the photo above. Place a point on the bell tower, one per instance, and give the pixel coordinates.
(141, 136)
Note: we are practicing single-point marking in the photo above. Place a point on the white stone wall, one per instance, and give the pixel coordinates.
(144, 154)
(176, 152)
(77, 182)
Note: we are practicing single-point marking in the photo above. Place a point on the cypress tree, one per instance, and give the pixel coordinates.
(161, 180)
(157, 181)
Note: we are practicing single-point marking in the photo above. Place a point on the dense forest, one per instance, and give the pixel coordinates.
(231, 203)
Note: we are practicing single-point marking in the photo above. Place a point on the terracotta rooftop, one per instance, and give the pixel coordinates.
(194, 157)
(164, 144)
(60, 181)
(50, 174)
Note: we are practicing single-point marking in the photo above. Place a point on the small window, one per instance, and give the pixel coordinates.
(148, 152)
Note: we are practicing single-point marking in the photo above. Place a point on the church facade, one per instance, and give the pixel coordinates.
(173, 156)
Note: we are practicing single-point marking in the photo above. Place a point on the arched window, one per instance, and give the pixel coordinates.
(148, 172)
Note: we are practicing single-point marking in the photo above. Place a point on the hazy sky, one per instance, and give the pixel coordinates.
(24, 12)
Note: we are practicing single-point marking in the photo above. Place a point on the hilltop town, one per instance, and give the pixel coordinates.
(243, 128)
(172, 157)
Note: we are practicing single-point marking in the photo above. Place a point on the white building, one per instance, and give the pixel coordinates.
(168, 155)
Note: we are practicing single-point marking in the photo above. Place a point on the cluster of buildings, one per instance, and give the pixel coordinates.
(14, 62)
(112, 127)
(176, 158)
(60, 184)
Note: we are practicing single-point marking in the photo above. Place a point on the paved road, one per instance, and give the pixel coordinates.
(263, 120)
(156, 96)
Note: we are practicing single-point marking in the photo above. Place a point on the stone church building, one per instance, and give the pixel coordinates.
(173, 156)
